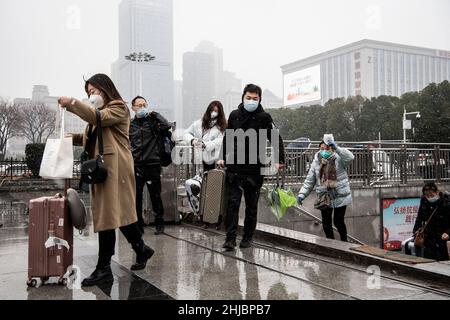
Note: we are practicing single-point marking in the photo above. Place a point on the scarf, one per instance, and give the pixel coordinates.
(327, 172)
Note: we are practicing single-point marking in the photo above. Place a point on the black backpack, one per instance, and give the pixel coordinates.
(165, 142)
(166, 147)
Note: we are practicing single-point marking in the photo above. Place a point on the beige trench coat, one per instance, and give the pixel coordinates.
(112, 202)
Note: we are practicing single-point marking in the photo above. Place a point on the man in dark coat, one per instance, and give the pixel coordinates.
(146, 142)
(243, 153)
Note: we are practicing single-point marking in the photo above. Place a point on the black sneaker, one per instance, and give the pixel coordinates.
(159, 230)
(99, 276)
(229, 244)
(141, 261)
(246, 243)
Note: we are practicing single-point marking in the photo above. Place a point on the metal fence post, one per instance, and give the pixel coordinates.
(437, 162)
(403, 165)
(368, 166)
(11, 167)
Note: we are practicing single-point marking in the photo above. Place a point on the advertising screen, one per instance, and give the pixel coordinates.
(302, 86)
(398, 218)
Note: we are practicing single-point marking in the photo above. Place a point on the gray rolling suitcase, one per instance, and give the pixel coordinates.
(212, 198)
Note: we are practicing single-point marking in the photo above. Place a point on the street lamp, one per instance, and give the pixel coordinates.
(140, 57)
(407, 123)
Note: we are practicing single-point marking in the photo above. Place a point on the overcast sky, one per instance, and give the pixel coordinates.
(42, 41)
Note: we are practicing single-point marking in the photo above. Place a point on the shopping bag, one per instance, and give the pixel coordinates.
(280, 200)
(57, 160)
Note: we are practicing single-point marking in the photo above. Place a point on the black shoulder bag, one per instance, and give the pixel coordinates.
(93, 171)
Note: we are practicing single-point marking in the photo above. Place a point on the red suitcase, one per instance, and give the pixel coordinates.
(49, 217)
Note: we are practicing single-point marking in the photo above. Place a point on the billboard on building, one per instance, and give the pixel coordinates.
(397, 221)
(302, 86)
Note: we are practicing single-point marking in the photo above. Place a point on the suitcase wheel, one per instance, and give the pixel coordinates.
(62, 281)
(32, 283)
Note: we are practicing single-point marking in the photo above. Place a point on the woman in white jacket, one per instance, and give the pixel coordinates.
(207, 133)
(328, 175)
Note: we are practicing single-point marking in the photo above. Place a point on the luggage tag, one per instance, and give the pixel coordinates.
(54, 241)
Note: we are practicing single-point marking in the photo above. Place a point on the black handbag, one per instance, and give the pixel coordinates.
(93, 171)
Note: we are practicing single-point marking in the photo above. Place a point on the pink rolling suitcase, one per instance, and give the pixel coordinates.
(50, 243)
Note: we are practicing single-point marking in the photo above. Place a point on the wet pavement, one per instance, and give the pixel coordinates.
(190, 264)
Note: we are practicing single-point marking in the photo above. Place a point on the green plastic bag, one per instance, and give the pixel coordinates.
(280, 200)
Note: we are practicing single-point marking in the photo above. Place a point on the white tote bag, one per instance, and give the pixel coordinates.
(57, 161)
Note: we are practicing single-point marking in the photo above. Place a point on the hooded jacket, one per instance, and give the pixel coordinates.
(254, 129)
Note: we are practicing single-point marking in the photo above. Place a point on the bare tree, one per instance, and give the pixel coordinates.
(38, 122)
(10, 120)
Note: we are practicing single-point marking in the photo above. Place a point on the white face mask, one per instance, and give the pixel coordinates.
(96, 100)
(251, 105)
(433, 199)
(214, 114)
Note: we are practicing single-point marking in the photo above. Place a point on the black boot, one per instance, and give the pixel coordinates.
(141, 227)
(143, 254)
(101, 274)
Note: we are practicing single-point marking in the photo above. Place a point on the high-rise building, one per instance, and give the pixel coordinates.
(205, 80)
(198, 85)
(217, 54)
(146, 26)
(178, 103)
(270, 100)
(367, 68)
(233, 94)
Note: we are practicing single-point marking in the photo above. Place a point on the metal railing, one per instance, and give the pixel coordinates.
(10, 169)
(388, 165)
(371, 167)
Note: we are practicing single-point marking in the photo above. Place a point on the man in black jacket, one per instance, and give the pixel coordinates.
(437, 231)
(146, 142)
(243, 153)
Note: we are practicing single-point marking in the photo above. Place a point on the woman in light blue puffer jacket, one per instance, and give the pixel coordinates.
(328, 174)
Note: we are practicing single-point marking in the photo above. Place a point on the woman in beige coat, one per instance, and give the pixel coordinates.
(113, 201)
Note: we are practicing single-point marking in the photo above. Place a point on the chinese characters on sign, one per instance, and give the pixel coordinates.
(398, 217)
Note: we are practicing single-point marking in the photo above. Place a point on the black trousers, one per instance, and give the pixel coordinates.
(338, 219)
(436, 249)
(250, 185)
(107, 242)
(150, 175)
(207, 167)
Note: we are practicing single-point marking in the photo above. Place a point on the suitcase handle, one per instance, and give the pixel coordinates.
(51, 233)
